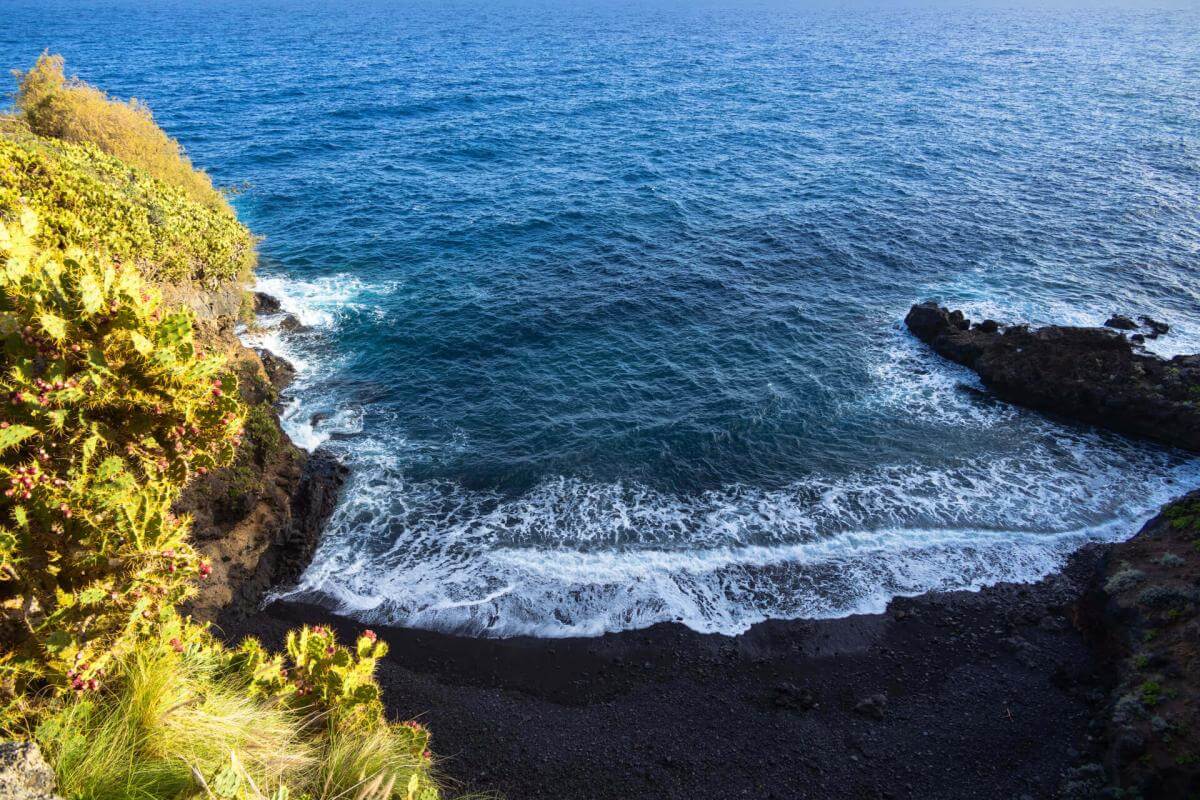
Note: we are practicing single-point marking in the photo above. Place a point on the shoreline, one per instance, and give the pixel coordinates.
(1014, 689)
(946, 694)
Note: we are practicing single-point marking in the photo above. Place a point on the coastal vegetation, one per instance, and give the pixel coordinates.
(111, 402)
(99, 173)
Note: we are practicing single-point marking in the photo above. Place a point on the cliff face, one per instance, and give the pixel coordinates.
(1143, 616)
(259, 519)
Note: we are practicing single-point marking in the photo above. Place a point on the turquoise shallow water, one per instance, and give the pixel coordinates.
(605, 298)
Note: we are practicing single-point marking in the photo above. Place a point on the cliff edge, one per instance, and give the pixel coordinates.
(259, 519)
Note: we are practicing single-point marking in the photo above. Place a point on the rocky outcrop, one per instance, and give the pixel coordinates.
(24, 774)
(210, 304)
(279, 370)
(1094, 375)
(277, 552)
(258, 520)
(1142, 615)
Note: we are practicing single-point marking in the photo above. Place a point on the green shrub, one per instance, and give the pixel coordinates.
(262, 432)
(71, 110)
(87, 199)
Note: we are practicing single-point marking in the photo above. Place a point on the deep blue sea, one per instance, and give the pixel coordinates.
(606, 298)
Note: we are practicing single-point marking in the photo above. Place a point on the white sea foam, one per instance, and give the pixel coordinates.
(577, 558)
(309, 418)
(910, 378)
(318, 302)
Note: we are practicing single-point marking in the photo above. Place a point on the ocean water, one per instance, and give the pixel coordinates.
(605, 299)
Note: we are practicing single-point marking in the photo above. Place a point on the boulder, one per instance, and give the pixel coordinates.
(266, 304)
(24, 774)
(793, 698)
(291, 323)
(1121, 323)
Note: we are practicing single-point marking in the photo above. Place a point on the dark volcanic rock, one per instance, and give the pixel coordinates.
(1121, 323)
(943, 329)
(988, 326)
(257, 521)
(792, 697)
(291, 323)
(1091, 374)
(279, 370)
(1156, 328)
(266, 304)
(312, 503)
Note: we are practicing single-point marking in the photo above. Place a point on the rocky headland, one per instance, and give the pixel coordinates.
(1094, 375)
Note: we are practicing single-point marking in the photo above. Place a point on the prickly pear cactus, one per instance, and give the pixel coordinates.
(106, 410)
(317, 672)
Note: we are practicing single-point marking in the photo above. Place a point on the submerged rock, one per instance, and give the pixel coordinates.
(1156, 327)
(1091, 374)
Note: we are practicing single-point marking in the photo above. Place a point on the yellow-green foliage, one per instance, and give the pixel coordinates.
(85, 198)
(188, 719)
(71, 110)
(107, 409)
(333, 685)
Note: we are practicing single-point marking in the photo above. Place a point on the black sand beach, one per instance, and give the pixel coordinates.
(956, 695)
